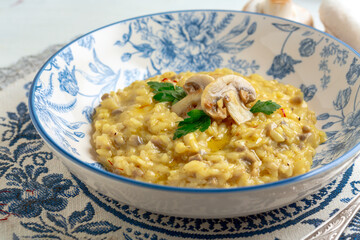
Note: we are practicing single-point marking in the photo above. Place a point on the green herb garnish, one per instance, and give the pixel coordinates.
(167, 92)
(267, 107)
(197, 119)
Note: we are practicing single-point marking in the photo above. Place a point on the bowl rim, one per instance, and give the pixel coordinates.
(292, 180)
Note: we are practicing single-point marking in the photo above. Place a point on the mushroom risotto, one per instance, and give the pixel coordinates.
(211, 129)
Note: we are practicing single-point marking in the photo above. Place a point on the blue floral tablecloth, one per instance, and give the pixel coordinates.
(41, 199)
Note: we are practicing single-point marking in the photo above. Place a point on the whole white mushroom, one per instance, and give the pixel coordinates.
(341, 19)
(281, 8)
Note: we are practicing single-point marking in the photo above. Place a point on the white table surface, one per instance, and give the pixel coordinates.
(27, 27)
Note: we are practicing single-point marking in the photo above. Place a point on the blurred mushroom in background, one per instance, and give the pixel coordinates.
(281, 8)
(341, 19)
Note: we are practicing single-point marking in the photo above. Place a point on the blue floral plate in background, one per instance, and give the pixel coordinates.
(69, 86)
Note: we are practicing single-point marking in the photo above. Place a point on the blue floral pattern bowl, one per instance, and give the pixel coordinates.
(69, 86)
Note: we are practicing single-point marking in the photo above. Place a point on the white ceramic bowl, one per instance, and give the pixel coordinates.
(68, 88)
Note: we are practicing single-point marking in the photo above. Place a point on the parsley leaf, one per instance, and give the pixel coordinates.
(167, 92)
(267, 107)
(197, 119)
(160, 86)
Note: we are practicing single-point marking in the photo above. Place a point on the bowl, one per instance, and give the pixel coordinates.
(69, 86)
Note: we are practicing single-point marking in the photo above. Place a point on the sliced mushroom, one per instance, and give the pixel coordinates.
(296, 100)
(251, 158)
(118, 111)
(306, 129)
(191, 101)
(197, 157)
(240, 148)
(236, 108)
(270, 126)
(281, 8)
(137, 172)
(135, 140)
(197, 83)
(158, 142)
(227, 96)
(119, 140)
(105, 96)
(304, 136)
(194, 87)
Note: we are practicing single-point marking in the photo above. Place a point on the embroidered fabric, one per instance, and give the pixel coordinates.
(40, 199)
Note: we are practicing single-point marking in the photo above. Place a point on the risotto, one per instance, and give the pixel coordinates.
(137, 131)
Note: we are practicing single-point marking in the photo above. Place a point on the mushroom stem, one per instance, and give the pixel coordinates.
(194, 87)
(236, 108)
(191, 101)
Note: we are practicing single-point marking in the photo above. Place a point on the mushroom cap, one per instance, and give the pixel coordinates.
(194, 87)
(227, 87)
(197, 82)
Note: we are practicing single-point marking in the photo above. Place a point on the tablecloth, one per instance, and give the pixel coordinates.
(41, 199)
